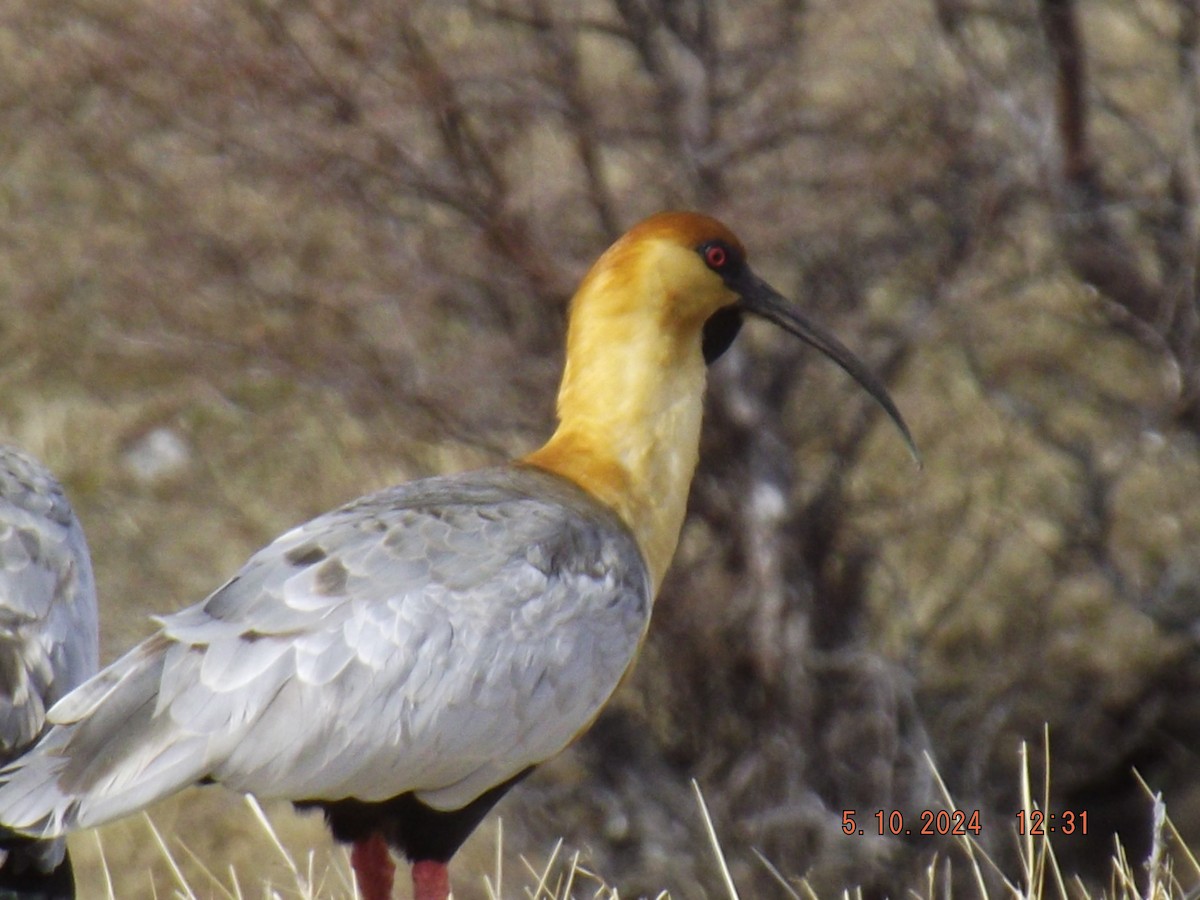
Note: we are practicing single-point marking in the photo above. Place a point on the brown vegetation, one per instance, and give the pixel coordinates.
(260, 256)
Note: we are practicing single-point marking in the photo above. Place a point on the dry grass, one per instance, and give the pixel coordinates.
(328, 876)
(564, 874)
(1041, 877)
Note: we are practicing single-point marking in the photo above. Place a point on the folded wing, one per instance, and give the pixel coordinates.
(439, 637)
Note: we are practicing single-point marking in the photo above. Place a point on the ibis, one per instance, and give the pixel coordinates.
(403, 661)
(49, 643)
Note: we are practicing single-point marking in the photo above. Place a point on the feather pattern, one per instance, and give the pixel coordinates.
(438, 638)
(49, 637)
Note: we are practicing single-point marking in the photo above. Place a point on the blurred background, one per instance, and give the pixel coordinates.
(258, 257)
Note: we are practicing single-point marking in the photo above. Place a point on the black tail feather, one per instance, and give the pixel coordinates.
(24, 875)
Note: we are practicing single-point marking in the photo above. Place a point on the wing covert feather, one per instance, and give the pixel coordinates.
(438, 637)
(48, 627)
(49, 634)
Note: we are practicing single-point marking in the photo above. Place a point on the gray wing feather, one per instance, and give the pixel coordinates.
(438, 637)
(48, 628)
(49, 635)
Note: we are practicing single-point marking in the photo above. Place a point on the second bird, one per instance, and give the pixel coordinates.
(49, 643)
(403, 661)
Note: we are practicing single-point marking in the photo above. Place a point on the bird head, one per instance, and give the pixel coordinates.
(690, 273)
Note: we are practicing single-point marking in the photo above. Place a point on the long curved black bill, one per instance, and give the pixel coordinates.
(761, 299)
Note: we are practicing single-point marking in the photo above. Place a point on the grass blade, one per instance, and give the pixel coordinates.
(715, 842)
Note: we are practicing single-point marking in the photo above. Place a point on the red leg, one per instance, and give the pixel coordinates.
(431, 880)
(373, 868)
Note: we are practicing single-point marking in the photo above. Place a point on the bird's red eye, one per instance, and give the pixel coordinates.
(716, 256)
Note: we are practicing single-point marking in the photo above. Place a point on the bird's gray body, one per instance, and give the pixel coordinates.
(435, 638)
(48, 623)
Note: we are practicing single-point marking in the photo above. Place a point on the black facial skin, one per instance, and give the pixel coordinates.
(723, 325)
(719, 331)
